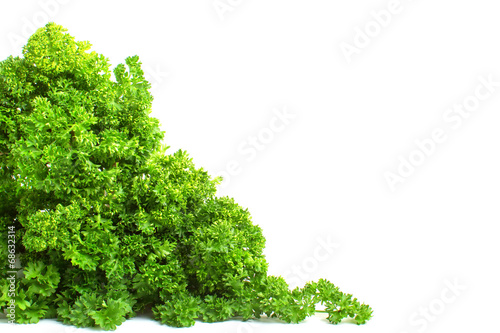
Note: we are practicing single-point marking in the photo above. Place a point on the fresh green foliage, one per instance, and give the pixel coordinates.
(107, 223)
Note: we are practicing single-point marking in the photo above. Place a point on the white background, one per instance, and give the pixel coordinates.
(219, 79)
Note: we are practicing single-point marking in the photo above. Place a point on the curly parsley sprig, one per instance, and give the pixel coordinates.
(107, 224)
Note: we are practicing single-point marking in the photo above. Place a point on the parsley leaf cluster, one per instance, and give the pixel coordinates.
(107, 224)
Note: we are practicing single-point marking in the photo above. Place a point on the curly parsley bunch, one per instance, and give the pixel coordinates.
(105, 223)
